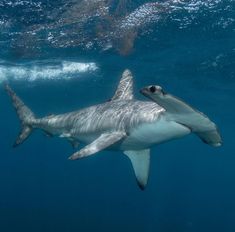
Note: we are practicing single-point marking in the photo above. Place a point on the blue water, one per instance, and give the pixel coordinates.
(63, 55)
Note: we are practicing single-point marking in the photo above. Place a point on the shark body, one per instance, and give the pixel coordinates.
(122, 123)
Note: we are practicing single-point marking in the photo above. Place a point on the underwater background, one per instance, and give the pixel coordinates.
(64, 55)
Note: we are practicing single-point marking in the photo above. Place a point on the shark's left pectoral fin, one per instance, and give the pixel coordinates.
(141, 162)
(101, 143)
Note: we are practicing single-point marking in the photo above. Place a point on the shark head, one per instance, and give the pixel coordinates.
(184, 114)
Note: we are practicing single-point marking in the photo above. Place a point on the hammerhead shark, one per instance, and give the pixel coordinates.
(122, 123)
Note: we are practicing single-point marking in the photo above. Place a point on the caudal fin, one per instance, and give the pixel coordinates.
(26, 116)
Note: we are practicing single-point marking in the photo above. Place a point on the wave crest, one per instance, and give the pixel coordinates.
(40, 71)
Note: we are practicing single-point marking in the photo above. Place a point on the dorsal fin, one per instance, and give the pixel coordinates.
(125, 87)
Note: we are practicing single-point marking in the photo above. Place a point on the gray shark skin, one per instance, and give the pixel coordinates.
(122, 123)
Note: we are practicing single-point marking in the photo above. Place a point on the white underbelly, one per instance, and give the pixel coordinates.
(147, 135)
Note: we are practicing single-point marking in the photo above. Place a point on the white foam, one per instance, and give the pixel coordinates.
(153, 12)
(44, 71)
(146, 13)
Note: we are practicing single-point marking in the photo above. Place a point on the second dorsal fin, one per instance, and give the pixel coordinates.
(125, 87)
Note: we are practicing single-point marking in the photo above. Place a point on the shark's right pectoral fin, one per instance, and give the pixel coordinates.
(101, 143)
(140, 161)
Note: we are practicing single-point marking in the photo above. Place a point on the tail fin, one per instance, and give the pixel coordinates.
(26, 116)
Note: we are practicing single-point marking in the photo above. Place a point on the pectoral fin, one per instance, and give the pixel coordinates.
(140, 161)
(102, 142)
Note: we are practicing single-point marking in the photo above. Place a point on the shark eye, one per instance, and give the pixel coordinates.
(152, 89)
